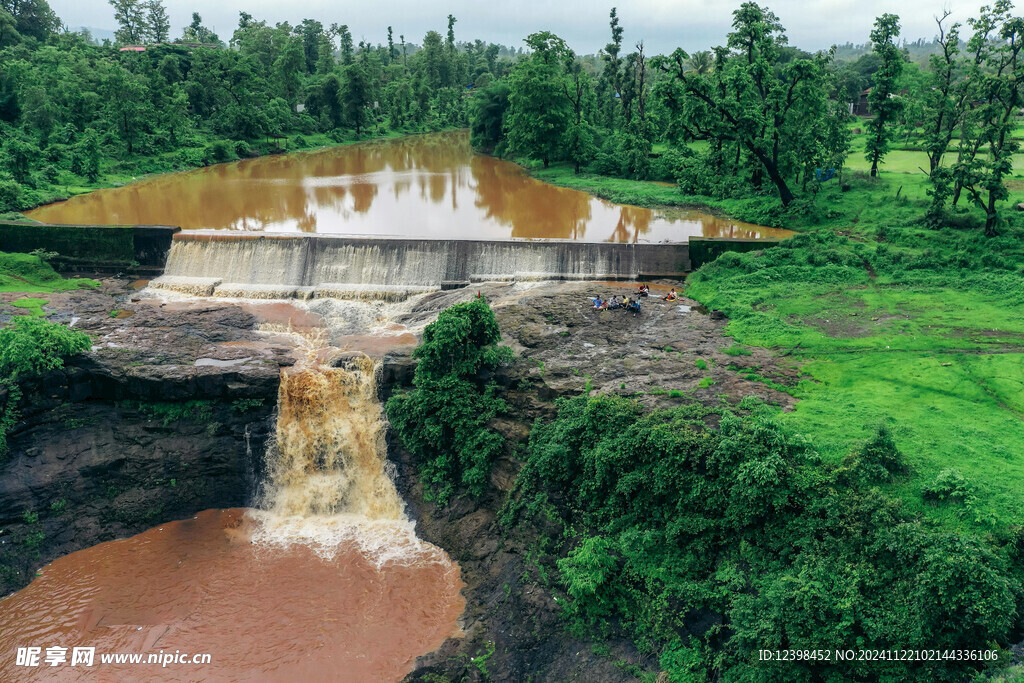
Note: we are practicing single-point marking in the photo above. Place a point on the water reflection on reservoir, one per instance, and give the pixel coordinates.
(429, 186)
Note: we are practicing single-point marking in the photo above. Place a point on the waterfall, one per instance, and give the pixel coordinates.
(328, 481)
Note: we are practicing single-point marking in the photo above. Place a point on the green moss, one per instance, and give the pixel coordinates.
(30, 273)
(34, 307)
(169, 412)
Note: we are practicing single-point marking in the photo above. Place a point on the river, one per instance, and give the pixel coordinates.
(424, 186)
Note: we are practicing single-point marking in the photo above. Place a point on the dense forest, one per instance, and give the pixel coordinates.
(74, 114)
(754, 115)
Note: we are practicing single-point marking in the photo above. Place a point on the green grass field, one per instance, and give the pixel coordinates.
(927, 339)
(895, 322)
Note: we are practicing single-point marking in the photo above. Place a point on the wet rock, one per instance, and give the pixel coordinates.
(133, 433)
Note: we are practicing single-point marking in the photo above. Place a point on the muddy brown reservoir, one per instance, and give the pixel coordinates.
(430, 186)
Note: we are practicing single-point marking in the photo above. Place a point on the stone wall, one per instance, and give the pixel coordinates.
(139, 249)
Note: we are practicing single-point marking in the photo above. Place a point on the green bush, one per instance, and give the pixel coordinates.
(10, 195)
(949, 486)
(191, 157)
(662, 522)
(220, 150)
(30, 346)
(443, 420)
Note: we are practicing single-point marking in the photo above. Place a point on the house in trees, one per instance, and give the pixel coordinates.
(860, 107)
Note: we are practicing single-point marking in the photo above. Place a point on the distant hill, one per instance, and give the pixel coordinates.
(98, 34)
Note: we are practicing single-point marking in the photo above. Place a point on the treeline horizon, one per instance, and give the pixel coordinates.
(754, 115)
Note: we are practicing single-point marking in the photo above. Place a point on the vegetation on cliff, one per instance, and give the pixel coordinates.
(29, 347)
(443, 420)
(707, 534)
(708, 544)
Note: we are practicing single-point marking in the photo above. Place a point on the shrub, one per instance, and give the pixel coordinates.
(949, 486)
(881, 451)
(666, 522)
(30, 346)
(193, 156)
(220, 150)
(443, 420)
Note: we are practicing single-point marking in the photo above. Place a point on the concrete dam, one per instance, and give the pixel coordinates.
(289, 266)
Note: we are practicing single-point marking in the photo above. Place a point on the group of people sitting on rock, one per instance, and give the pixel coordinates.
(616, 302)
(628, 303)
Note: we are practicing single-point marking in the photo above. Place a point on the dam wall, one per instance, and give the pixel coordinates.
(272, 266)
(139, 249)
(707, 249)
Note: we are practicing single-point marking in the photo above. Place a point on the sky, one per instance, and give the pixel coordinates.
(663, 25)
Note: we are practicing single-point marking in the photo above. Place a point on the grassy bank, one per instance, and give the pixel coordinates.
(923, 331)
(30, 273)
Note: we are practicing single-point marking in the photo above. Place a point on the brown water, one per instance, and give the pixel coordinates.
(327, 581)
(262, 613)
(427, 186)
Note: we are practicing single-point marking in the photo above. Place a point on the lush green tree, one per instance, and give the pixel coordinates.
(131, 17)
(347, 48)
(288, 68)
(19, 157)
(158, 22)
(444, 419)
(995, 74)
(356, 96)
(884, 99)
(751, 99)
(195, 32)
(701, 62)
(311, 32)
(433, 60)
(32, 18)
(8, 30)
(611, 77)
(127, 109)
(487, 112)
(90, 155)
(539, 113)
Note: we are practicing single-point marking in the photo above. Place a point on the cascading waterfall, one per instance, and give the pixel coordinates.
(326, 579)
(328, 480)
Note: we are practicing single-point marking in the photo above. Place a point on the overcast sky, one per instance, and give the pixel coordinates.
(662, 24)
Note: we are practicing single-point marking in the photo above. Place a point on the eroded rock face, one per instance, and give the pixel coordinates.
(136, 432)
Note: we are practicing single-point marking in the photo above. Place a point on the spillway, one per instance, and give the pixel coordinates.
(286, 266)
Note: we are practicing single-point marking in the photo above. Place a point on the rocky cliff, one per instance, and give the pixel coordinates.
(161, 420)
(169, 413)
